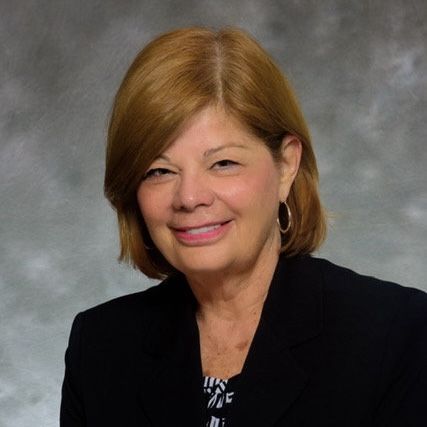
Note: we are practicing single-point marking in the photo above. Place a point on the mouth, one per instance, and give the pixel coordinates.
(201, 234)
(203, 229)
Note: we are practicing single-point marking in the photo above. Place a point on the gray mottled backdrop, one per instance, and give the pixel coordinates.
(359, 68)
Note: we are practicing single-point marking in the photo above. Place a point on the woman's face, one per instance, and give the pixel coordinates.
(210, 201)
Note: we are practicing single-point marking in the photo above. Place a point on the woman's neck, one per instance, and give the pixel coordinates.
(234, 296)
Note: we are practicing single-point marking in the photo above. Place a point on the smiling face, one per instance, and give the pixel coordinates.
(210, 201)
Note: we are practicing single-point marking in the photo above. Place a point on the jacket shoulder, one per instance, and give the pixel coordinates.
(345, 281)
(130, 313)
(370, 299)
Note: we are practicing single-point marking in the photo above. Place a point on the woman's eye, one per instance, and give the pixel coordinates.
(156, 173)
(224, 164)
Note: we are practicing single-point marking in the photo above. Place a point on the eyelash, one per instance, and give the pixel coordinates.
(227, 161)
(158, 172)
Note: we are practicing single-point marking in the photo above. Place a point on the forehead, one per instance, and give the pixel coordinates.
(213, 129)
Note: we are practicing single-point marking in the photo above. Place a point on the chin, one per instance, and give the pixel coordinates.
(201, 262)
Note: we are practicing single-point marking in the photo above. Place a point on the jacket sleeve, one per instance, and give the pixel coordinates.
(404, 375)
(72, 409)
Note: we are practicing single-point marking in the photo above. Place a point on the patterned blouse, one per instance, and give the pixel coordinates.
(219, 395)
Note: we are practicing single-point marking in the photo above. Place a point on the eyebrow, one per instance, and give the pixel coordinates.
(214, 150)
(211, 151)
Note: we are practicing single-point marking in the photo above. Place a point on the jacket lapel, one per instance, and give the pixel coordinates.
(272, 378)
(171, 389)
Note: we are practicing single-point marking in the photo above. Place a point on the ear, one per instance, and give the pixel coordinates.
(291, 152)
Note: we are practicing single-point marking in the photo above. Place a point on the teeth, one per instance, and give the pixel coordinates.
(203, 229)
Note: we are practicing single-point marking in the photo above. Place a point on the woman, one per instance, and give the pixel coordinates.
(212, 174)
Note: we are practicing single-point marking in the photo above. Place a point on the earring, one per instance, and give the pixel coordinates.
(289, 215)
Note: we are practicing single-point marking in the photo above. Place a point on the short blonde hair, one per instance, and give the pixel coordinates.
(177, 75)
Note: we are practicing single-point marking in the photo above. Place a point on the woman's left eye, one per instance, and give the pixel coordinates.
(224, 164)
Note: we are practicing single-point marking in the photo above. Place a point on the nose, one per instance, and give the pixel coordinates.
(192, 190)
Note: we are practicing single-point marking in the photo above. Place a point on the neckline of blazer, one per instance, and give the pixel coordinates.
(292, 314)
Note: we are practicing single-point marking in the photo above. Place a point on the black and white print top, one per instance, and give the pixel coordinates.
(219, 394)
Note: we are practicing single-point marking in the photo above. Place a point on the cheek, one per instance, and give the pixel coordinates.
(263, 182)
(253, 191)
(151, 206)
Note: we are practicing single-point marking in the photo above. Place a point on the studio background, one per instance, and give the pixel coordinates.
(359, 69)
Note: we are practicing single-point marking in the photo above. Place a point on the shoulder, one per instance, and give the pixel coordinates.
(359, 300)
(128, 314)
(372, 336)
(343, 284)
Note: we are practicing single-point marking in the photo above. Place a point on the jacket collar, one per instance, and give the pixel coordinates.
(271, 378)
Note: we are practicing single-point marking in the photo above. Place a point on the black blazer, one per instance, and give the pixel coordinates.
(333, 348)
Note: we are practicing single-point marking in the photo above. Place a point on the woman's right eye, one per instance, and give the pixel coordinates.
(156, 173)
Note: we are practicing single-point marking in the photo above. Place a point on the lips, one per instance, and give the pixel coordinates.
(204, 229)
(201, 234)
(197, 229)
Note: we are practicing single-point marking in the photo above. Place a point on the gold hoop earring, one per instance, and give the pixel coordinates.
(289, 222)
